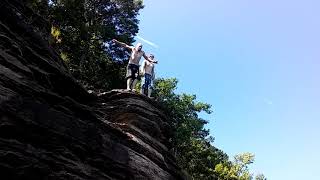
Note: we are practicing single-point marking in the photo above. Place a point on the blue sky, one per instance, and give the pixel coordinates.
(257, 63)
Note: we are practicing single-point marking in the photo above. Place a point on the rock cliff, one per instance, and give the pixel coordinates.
(52, 128)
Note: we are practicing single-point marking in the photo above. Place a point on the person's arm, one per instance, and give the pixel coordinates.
(122, 44)
(153, 73)
(147, 58)
(143, 67)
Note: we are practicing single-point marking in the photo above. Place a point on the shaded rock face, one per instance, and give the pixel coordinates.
(51, 128)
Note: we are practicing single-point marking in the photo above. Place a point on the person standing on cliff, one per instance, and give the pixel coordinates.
(149, 75)
(132, 74)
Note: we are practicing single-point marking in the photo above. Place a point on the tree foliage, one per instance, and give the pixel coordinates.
(238, 169)
(191, 142)
(260, 177)
(81, 32)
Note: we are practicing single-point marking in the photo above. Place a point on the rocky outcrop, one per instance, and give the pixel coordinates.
(51, 128)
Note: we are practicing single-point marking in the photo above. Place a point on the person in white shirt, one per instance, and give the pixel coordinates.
(149, 75)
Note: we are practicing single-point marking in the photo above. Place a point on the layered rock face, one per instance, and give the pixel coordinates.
(51, 128)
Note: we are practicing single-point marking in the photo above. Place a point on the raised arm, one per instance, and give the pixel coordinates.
(149, 59)
(122, 44)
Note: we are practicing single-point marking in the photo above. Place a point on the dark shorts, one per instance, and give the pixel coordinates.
(133, 71)
(147, 81)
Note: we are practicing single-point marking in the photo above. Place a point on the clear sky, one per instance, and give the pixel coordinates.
(257, 63)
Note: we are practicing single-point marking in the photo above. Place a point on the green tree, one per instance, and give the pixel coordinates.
(237, 169)
(260, 177)
(82, 30)
(190, 141)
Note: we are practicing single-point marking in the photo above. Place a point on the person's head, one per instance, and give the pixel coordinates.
(151, 56)
(139, 47)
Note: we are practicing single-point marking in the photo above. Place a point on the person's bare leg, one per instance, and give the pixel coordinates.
(142, 89)
(129, 80)
(134, 84)
(149, 92)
